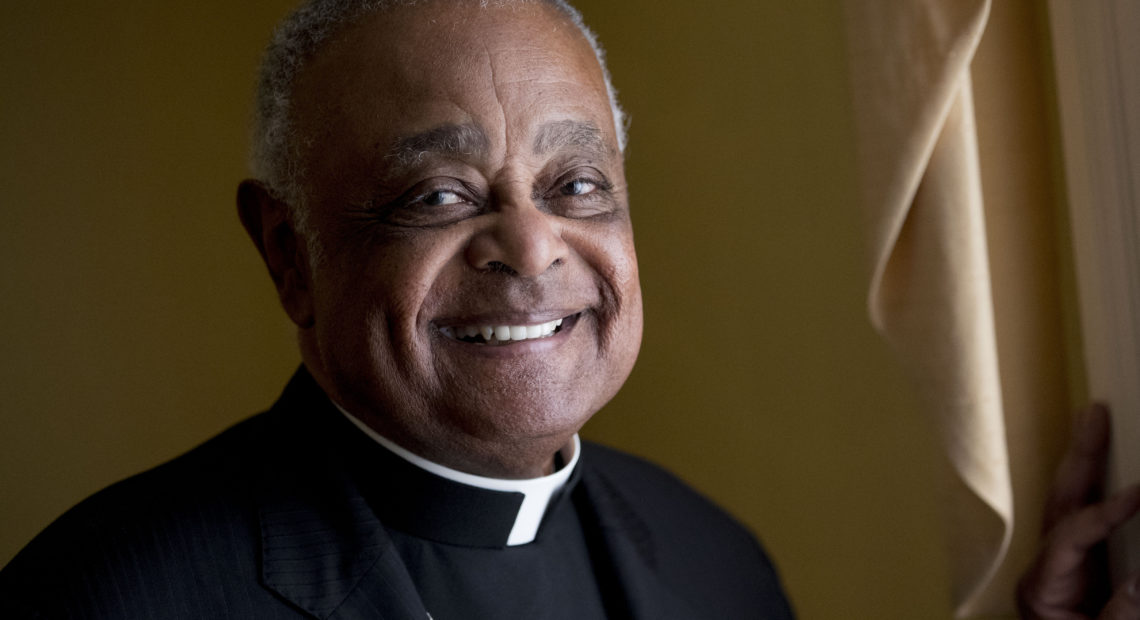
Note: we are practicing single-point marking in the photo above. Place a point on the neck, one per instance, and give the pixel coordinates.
(510, 458)
(518, 460)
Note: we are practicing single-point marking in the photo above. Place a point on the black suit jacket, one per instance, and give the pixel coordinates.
(267, 520)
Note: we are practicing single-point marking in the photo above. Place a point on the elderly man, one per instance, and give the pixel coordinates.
(441, 204)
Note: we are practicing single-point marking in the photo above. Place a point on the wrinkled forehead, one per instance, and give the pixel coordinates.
(441, 25)
(407, 60)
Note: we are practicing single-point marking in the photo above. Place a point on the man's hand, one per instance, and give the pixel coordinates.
(1069, 580)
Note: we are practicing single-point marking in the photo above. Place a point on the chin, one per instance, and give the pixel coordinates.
(518, 420)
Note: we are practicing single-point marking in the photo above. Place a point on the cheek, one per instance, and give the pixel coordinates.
(607, 246)
(626, 256)
(626, 282)
(608, 250)
(423, 271)
(378, 295)
(626, 276)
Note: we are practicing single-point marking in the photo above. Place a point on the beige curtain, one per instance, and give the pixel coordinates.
(1098, 82)
(930, 285)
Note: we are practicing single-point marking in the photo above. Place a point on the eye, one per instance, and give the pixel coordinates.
(441, 198)
(581, 192)
(579, 187)
(434, 202)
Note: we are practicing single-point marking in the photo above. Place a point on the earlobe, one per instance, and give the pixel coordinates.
(267, 222)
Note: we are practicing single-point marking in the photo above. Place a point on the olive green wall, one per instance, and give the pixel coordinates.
(137, 320)
(760, 380)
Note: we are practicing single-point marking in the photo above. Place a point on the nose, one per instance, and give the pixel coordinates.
(521, 240)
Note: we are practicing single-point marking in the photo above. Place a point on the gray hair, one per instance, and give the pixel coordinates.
(274, 154)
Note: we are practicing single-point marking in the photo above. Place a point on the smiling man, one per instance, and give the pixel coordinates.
(465, 283)
(441, 202)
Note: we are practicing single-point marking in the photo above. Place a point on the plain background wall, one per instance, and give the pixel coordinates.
(137, 319)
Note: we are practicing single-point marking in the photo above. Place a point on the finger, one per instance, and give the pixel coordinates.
(1058, 580)
(1069, 542)
(1081, 473)
(1125, 604)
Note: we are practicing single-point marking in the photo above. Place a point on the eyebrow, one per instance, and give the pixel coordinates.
(560, 134)
(452, 140)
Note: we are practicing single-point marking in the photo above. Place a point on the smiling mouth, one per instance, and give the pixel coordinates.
(497, 335)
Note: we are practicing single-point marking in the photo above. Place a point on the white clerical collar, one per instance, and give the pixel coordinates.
(537, 492)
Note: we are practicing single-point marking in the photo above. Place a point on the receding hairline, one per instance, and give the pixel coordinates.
(386, 36)
(393, 48)
(308, 32)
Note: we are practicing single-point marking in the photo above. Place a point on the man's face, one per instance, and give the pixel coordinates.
(463, 176)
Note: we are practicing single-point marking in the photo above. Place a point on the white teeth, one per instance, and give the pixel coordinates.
(503, 333)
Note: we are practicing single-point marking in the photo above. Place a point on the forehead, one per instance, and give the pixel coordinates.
(507, 67)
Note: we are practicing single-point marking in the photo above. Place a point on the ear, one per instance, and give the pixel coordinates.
(266, 220)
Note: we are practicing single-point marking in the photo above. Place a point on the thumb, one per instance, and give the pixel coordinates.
(1125, 603)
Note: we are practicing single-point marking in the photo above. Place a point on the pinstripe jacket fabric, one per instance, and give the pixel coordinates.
(267, 520)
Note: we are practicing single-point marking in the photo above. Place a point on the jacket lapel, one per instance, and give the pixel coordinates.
(336, 566)
(624, 550)
(386, 591)
(322, 547)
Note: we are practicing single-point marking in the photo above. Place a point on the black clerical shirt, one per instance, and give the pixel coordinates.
(452, 538)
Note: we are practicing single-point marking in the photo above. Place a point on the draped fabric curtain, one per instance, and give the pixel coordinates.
(1097, 47)
(930, 286)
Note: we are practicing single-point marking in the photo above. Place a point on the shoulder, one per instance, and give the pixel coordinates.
(657, 494)
(185, 539)
(694, 544)
(133, 548)
(217, 471)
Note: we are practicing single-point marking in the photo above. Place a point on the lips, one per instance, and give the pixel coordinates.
(500, 333)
